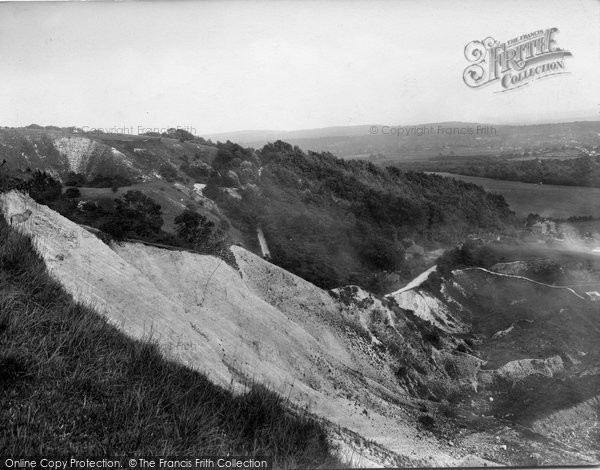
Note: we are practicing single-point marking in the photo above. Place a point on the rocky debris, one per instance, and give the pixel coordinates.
(503, 333)
(428, 307)
(523, 368)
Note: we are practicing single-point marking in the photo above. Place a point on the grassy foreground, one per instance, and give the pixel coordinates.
(71, 384)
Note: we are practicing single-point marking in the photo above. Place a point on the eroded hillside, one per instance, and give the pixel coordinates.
(60, 152)
(395, 387)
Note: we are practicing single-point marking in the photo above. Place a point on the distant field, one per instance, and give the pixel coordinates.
(546, 200)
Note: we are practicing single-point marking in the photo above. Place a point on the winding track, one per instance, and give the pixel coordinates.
(524, 279)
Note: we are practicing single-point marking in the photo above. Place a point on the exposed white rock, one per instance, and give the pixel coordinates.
(260, 322)
(522, 368)
(429, 308)
(77, 151)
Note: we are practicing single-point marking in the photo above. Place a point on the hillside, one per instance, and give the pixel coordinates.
(206, 315)
(352, 221)
(60, 152)
(71, 384)
(392, 386)
(104, 167)
(335, 222)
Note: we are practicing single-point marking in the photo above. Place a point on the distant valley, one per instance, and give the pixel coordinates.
(395, 143)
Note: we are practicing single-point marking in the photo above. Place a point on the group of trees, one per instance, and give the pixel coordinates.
(582, 171)
(230, 157)
(180, 134)
(134, 215)
(196, 169)
(42, 187)
(338, 222)
(98, 181)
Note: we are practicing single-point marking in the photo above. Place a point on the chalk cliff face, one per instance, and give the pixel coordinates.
(371, 368)
(61, 152)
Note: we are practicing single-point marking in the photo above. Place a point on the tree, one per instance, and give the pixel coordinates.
(180, 134)
(200, 233)
(75, 179)
(168, 171)
(188, 223)
(137, 214)
(43, 188)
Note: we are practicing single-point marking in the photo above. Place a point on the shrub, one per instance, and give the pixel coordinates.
(72, 193)
(168, 171)
(199, 233)
(75, 179)
(427, 421)
(110, 181)
(43, 188)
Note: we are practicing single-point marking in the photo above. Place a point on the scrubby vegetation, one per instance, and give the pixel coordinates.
(196, 169)
(98, 181)
(39, 185)
(197, 232)
(468, 254)
(132, 216)
(337, 222)
(43, 188)
(180, 134)
(71, 384)
(465, 255)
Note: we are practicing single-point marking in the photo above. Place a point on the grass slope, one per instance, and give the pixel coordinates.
(71, 384)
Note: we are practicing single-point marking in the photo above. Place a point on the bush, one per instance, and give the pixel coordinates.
(467, 255)
(75, 179)
(110, 181)
(200, 234)
(168, 172)
(427, 421)
(43, 188)
(72, 193)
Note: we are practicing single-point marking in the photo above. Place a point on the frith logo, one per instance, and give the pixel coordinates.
(514, 63)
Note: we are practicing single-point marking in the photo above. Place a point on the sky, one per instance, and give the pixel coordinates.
(228, 66)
